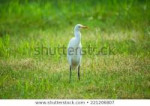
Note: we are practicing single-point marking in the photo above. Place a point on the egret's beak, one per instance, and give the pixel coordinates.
(85, 27)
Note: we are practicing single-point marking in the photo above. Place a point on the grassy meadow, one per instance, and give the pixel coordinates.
(122, 26)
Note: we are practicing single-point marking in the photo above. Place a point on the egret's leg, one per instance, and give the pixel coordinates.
(70, 74)
(79, 72)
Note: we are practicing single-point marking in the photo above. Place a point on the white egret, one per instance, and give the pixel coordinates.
(75, 49)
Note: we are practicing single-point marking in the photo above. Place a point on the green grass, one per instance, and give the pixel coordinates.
(122, 26)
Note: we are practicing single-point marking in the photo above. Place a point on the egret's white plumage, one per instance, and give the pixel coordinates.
(74, 50)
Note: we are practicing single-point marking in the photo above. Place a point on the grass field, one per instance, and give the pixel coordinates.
(119, 26)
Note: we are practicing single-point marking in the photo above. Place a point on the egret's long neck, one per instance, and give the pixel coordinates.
(77, 35)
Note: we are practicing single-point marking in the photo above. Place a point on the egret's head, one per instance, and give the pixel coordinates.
(79, 26)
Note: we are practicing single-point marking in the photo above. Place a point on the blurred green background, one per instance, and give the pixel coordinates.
(123, 25)
(46, 14)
